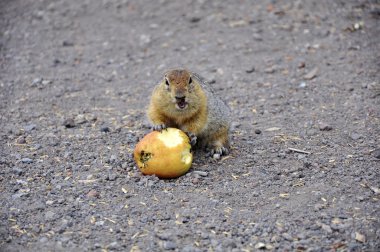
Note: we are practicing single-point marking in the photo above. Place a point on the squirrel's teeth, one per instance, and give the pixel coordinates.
(181, 104)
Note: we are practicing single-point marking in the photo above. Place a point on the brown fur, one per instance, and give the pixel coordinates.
(163, 109)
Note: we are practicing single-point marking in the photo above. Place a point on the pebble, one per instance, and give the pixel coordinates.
(93, 194)
(324, 126)
(113, 246)
(251, 70)
(37, 146)
(189, 248)
(43, 240)
(235, 125)
(69, 123)
(21, 140)
(113, 159)
(302, 85)
(18, 171)
(19, 195)
(287, 236)
(376, 153)
(165, 236)
(169, 245)
(260, 245)
(50, 215)
(201, 173)
(194, 19)
(112, 177)
(195, 180)
(327, 228)
(67, 43)
(355, 136)
(99, 223)
(105, 129)
(30, 127)
(36, 82)
(257, 131)
(216, 156)
(27, 160)
(311, 74)
(49, 202)
(270, 70)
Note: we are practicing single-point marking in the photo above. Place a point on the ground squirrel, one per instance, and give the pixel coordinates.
(184, 100)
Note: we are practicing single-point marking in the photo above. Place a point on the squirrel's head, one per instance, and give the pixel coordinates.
(179, 84)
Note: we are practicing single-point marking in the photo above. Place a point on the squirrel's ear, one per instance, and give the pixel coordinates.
(190, 80)
(167, 86)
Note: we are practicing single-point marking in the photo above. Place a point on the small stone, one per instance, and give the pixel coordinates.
(250, 70)
(113, 246)
(50, 215)
(69, 123)
(36, 82)
(169, 245)
(201, 173)
(43, 240)
(46, 82)
(27, 160)
(67, 43)
(256, 36)
(19, 195)
(17, 171)
(257, 131)
(195, 180)
(112, 177)
(302, 64)
(93, 194)
(327, 228)
(235, 125)
(99, 223)
(302, 85)
(56, 62)
(359, 237)
(30, 127)
(49, 202)
(260, 245)
(376, 153)
(324, 126)
(21, 140)
(355, 136)
(113, 159)
(287, 236)
(37, 146)
(61, 200)
(216, 156)
(311, 74)
(270, 70)
(195, 19)
(190, 248)
(105, 129)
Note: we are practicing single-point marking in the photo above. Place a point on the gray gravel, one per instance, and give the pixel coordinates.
(302, 81)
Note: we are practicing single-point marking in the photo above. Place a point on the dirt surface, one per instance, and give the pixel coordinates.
(302, 81)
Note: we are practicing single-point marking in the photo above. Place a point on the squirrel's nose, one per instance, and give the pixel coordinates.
(180, 97)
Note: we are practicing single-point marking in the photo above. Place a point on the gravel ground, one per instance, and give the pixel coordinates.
(302, 81)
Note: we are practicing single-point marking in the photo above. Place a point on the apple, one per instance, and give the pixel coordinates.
(166, 153)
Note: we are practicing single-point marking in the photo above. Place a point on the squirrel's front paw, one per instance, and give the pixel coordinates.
(193, 138)
(217, 152)
(159, 127)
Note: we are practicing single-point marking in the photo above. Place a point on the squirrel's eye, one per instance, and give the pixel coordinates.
(166, 82)
(190, 80)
